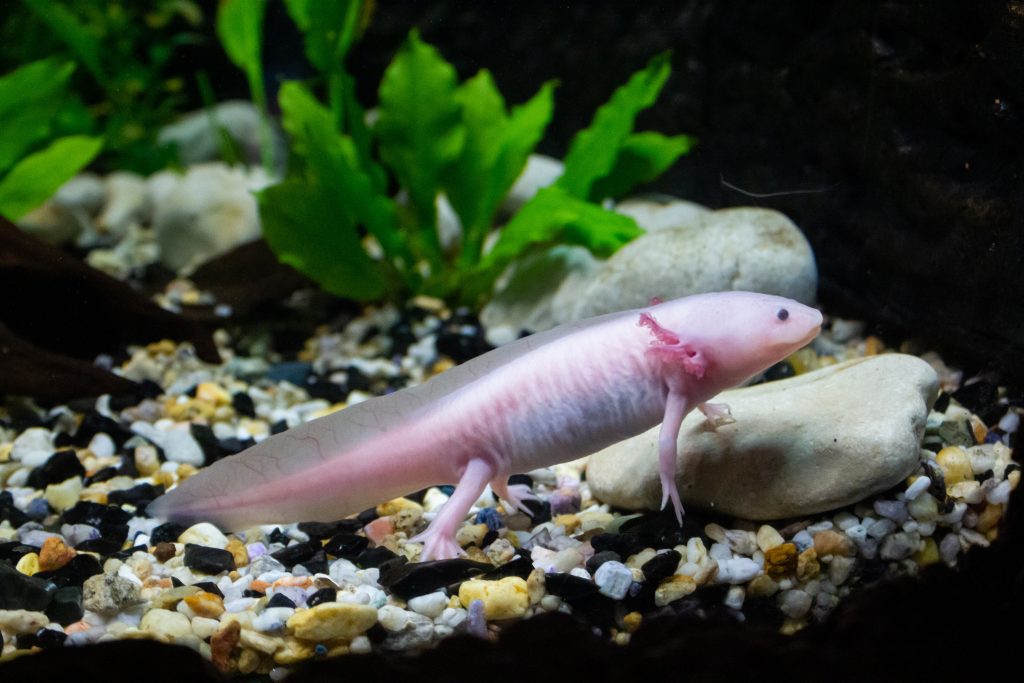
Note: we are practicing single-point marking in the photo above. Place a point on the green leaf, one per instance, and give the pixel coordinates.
(328, 28)
(240, 29)
(493, 156)
(420, 131)
(332, 163)
(643, 157)
(30, 98)
(593, 151)
(77, 35)
(553, 217)
(303, 226)
(34, 180)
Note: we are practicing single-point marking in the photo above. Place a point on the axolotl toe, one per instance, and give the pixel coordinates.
(544, 399)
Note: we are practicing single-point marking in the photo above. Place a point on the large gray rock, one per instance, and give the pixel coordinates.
(799, 446)
(752, 249)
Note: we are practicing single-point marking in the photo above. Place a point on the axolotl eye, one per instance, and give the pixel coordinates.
(782, 314)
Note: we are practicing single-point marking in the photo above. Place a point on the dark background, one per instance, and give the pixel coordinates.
(891, 132)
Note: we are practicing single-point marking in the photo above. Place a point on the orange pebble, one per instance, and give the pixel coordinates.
(300, 581)
(54, 554)
(378, 529)
(259, 586)
(77, 627)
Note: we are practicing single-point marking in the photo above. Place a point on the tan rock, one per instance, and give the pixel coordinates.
(829, 542)
(799, 446)
(222, 643)
(205, 604)
(506, 598)
(331, 620)
(807, 565)
(673, 588)
(780, 561)
(54, 554)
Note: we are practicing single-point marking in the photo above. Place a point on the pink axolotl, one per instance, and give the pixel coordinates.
(544, 399)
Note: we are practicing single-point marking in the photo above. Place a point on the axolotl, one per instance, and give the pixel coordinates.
(543, 399)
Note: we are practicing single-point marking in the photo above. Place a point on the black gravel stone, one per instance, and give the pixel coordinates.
(178, 583)
(168, 532)
(93, 423)
(321, 530)
(102, 475)
(367, 516)
(139, 495)
(524, 479)
(13, 551)
(203, 435)
(278, 427)
(377, 634)
(66, 606)
(942, 402)
(401, 336)
(295, 372)
(357, 380)
(208, 560)
(280, 600)
(11, 512)
(296, 553)
(75, 572)
(599, 558)
(521, 566)
(102, 546)
(209, 587)
(278, 536)
(780, 370)
(661, 566)
(409, 580)
(321, 596)
(18, 591)
(243, 404)
(326, 389)
(58, 467)
(454, 343)
(584, 598)
(540, 511)
(346, 545)
(375, 557)
(622, 545)
(232, 445)
(49, 638)
(94, 514)
(128, 552)
(316, 564)
(661, 530)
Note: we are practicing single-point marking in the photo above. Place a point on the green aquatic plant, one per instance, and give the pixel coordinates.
(38, 151)
(336, 218)
(122, 50)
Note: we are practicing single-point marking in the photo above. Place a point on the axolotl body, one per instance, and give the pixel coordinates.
(547, 398)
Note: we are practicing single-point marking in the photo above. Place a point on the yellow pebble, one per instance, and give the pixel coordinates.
(5, 451)
(506, 598)
(330, 620)
(206, 604)
(238, 552)
(956, 466)
(673, 588)
(28, 564)
(988, 518)
(570, 522)
(208, 391)
(294, 651)
(780, 561)
(807, 565)
(927, 555)
(396, 505)
(631, 622)
(471, 534)
(185, 471)
(162, 347)
(762, 586)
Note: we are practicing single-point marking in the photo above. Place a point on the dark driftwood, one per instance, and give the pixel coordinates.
(57, 314)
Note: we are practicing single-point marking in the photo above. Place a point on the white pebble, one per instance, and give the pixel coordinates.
(716, 532)
(240, 605)
(881, 528)
(32, 448)
(734, 598)
(803, 540)
(845, 520)
(272, 619)
(205, 534)
(452, 617)
(794, 603)
(1000, 495)
(550, 602)
(179, 446)
(949, 548)
(360, 645)
(430, 605)
(1010, 422)
(613, 579)
(102, 445)
(720, 551)
(824, 525)
(393, 618)
(737, 570)
(919, 486)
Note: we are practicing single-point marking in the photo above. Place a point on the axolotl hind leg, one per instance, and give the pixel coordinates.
(513, 494)
(439, 538)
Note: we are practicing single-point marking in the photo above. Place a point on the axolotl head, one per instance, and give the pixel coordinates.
(728, 337)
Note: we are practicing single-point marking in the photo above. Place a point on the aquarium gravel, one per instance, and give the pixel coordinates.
(80, 562)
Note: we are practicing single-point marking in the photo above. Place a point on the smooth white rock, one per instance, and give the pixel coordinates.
(127, 202)
(750, 249)
(204, 534)
(653, 215)
(197, 140)
(33, 447)
(794, 603)
(209, 212)
(613, 579)
(429, 605)
(815, 442)
(737, 570)
(540, 171)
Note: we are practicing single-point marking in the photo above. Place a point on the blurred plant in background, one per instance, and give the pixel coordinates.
(337, 216)
(121, 49)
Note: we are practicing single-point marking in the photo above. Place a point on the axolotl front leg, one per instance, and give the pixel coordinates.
(439, 538)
